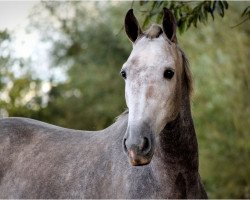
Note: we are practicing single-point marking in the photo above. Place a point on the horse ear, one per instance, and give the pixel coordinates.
(169, 25)
(132, 26)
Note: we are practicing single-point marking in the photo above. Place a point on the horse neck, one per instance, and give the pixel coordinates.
(178, 142)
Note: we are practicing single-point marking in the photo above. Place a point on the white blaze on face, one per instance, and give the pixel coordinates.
(149, 96)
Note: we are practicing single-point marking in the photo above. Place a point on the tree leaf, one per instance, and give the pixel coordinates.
(181, 25)
(225, 4)
(146, 21)
(214, 6)
(245, 11)
(159, 17)
(221, 8)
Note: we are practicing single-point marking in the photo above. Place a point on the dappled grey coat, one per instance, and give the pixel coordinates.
(39, 160)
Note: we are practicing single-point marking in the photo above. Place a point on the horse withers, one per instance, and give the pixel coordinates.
(150, 151)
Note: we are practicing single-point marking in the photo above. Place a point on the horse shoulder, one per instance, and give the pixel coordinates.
(38, 159)
(48, 158)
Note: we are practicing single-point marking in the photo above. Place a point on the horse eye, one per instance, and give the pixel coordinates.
(123, 73)
(168, 74)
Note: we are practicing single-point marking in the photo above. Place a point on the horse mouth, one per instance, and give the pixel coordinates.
(137, 160)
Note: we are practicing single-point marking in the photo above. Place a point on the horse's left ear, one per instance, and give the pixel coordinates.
(169, 25)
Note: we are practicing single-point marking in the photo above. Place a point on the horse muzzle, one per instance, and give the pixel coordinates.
(138, 144)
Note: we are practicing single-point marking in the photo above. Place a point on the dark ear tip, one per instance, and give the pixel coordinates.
(168, 14)
(169, 24)
(167, 11)
(130, 11)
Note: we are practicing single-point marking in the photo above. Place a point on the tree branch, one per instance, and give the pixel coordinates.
(240, 23)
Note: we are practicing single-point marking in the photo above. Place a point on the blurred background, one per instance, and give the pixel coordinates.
(60, 63)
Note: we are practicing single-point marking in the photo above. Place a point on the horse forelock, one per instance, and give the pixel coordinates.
(154, 31)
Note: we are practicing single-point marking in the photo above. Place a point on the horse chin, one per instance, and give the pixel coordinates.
(140, 162)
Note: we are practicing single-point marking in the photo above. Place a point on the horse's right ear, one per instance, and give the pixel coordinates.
(132, 26)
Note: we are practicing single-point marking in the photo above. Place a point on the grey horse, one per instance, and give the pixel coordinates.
(150, 151)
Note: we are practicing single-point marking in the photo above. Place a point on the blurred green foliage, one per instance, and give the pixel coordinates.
(188, 13)
(221, 104)
(88, 42)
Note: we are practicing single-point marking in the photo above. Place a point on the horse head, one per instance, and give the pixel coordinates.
(153, 75)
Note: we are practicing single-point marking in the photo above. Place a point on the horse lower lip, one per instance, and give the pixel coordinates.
(139, 162)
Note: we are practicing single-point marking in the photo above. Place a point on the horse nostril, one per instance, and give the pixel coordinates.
(124, 145)
(145, 145)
